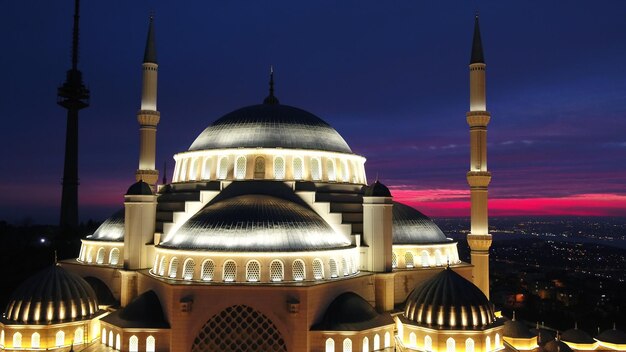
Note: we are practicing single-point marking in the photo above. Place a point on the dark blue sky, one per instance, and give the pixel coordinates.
(391, 77)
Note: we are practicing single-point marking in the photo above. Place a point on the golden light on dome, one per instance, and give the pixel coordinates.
(440, 316)
(463, 316)
(452, 321)
(62, 310)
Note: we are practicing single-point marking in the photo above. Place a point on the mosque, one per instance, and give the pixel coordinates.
(270, 238)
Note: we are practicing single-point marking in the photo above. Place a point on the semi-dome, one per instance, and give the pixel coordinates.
(350, 312)
(270, 126)
(449, 301)
(53, 295)
(112, 229)
(412, 227)
(242, 220)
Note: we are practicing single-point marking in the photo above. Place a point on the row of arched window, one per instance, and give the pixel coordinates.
(317, 169)
(451, 343)
(254, 272)
(89, 254)
(424, 259)
(35, 339)
(133, 342)
(348, 346)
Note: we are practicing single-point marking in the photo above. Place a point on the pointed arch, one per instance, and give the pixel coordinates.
(114, 256)
(150, 344)
(35, 340)
(450, 345)
(347, 345)
(173, 270)
(133, 344)
(366, 344)
(469, 345)
(240, 167)
(100, 256)
(298, 168)
(59, 338)
(330, 345)
(408, 260)
(79, 336)
(279, 168)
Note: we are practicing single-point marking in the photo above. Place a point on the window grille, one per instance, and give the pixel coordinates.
(100, 256)
(253, 271)
(330, 345)
(347, 345)
(344, 267)
(206, 171)
(318, 269)
(330, 170)
(315, 169)
(110, 338)
(425, 259)
(173, 268)
(208, 268)
(79, 335)
(133, 344)
(277, 271)
(333, 268)
(150, 344)
(162, 266)
(394, 260)
(35, 340)
(60, 339)
(298, 169)
(450, 345)
(223, 168)
(345, 172)
(17, 340)
(240, 168)
(413, 340)
(298, 270)
(428, 343)
(408, 259)
(279, 168)
(366, 344)
(230, 271)
(376, 342)
(188, 269)
(90, 255)
(114, 256)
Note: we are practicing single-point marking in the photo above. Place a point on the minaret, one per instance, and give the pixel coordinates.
(73, 96)
(478, 176)
(148, 116)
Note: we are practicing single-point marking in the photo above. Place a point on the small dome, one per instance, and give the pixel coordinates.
(144, 311)
(556, 346)
(112, 229)
(139, 188)
(614, 335)
(350, 312)
(516, 329)
(377, 189)
(449, 301)
(239, 221)
(412, 227)
(270, 126)
(577, 336)
(53, 295)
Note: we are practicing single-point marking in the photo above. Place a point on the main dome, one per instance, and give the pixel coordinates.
(270, 126)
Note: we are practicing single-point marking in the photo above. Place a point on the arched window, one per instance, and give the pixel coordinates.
(118, 342)
(114, 256)
(298, 168)
(450, 345)
(111, 338)
(366, 344)
(206, 169)
(208, 268)
(17, 340)
(345, 172)
(253, 271)
(240, 168)
(230, 271)
(412, 340)
(150, 344)
(183, 170)
(222, 171)
(330, 345)
(425, 259)
(35, 340)
(279, 168)
(297, 268)
(488, 344)
(60, 339)
(344, 267)
(330, 170)
(104, 336)
(347, 345)
(81, 254)
(162, 266)
(376, 342)
(277, 271)
(387, 339)
(469, 345)
(333, 268)
(428, 343)
(394, 260)
(438, 258)
(100, 256)
(79, 336)
(497, 341)
(408, 259)
(172, 272)
(259, 167)
(193, 169)
(188, 268)
(133, 344)
(318, 269)
(2, 338)
(90, 255)
(316, 173)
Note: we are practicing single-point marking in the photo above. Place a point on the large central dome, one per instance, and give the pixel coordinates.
(270, 126)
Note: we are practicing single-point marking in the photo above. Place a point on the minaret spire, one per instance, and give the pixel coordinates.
(148, 115)
(271, 99)
(73, 96)
(478, 176)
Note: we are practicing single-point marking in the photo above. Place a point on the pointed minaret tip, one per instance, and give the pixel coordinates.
(271, 99)
(150, 53)
(477, 44)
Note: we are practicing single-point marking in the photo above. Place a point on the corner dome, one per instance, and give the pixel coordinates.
(449, 301)
(270, 126)
(350, 312)
(139, 188)
(412, 227)
(112, 229)
(244, 218)
(53, 295)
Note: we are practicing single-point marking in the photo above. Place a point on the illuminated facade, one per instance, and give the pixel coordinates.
(269, 238)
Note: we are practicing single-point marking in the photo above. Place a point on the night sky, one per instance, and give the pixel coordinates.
(391, 77)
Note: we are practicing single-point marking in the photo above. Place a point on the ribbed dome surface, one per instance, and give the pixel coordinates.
(577, 336)
(256, 223)
(51, 296)
(112, 229)
(350, 312)
(412, 227)
(449, 301)
(270, 126)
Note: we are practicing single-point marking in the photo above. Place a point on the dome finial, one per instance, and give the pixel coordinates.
(271, 99)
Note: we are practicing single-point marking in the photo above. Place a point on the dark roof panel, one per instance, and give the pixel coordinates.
(145, 311)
